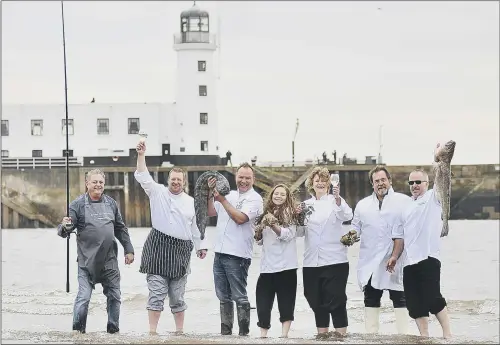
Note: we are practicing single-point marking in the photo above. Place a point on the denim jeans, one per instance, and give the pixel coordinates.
(230, 278)
(111, 289)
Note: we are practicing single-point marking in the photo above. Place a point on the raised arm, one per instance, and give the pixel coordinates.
(142, 174)
(343, 211)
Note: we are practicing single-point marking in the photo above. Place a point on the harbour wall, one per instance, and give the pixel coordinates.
(36, 198)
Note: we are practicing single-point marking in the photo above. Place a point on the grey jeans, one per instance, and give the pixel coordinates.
(230, 278)
(160, 286)
(111, 289)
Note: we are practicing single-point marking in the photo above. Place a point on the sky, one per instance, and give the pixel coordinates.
(416, 72)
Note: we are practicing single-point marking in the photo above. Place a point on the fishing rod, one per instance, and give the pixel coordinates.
(67, 145)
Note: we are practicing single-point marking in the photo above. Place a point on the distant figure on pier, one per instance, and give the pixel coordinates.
(228, 158)
(344, 158)
(236, 213)
(174, 231)
(97, 219)
(325, 158)
(334, 156)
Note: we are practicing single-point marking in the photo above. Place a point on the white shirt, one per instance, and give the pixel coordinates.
(422, 228)
(171, 214)
(377, 228)
(279, 253)
(322, 246)
(231, 238)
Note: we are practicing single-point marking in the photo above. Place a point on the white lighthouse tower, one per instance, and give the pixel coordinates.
(195, 98)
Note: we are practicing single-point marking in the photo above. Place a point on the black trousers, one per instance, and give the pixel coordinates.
(421, 282)
(324, 290)
(373, 297)
(281, 284)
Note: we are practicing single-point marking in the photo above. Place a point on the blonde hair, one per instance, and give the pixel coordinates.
(323, 174)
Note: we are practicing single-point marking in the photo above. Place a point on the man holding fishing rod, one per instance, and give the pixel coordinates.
(98, 221)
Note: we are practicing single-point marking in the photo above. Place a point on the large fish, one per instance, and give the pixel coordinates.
(442, 180)
(201, 193)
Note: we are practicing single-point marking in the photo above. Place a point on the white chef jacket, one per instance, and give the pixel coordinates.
(279, 253)
(422, 228)
(231, 238)
(377, 228)
(322, 246)
(171, 214)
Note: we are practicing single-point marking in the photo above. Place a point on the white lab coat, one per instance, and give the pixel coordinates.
(377, 228)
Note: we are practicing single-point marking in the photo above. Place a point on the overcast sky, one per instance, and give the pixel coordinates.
(426, 71)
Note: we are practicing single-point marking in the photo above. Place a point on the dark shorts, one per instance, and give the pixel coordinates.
(422, 288)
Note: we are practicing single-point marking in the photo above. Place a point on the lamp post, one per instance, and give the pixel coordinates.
(293, 142)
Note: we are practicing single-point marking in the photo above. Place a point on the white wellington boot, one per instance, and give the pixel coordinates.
(372, 320)
(402, 319)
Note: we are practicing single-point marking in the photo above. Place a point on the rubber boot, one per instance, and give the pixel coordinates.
(226, 318)
(243, 318)
(372, 319)
(401, 320)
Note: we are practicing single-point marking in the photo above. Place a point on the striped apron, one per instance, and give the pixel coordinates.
(165, 255)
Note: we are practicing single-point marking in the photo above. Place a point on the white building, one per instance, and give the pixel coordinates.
(186, 129)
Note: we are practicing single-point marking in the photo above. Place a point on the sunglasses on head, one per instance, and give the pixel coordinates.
(415, 182)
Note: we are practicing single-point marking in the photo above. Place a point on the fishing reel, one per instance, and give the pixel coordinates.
(68, 227)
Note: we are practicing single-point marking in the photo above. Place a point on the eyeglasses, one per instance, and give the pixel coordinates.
(415, 182)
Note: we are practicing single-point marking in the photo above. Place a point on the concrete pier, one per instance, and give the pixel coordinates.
(34, 198)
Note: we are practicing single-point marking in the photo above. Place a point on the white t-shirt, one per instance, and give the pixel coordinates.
(231, 238)
(422, 228)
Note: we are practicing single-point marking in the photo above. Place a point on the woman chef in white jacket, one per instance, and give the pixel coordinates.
(326, 267)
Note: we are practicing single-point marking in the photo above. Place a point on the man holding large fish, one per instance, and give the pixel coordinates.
(167, 251)
(425, 220)
(235, 213)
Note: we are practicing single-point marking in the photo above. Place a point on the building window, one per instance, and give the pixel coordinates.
(36, 153)
(203, 90)
(5, 153)
(5, 128)
(36, 127)
(133, 126)
(69, 151)
(102, 126)
(204, 146)
(70, 127)
(203, 119)
(183, 149)
(202, 66)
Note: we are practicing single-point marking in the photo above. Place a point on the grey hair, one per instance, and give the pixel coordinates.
(94, 172)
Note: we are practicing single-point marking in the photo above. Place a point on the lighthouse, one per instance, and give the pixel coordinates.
(195, 86)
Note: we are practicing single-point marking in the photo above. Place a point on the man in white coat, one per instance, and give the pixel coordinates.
(377, 219)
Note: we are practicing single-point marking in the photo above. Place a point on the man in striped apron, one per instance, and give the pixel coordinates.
(167, 251)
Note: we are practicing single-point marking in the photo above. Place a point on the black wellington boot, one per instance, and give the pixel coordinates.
(243, 318)
(226, 318)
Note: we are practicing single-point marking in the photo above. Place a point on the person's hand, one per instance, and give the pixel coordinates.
(298, 208)
(129, 258)
(211, 182)
(141, 148)
(202, 253)
(391, 263)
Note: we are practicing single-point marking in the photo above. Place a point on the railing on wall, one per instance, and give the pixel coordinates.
(40, 162)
